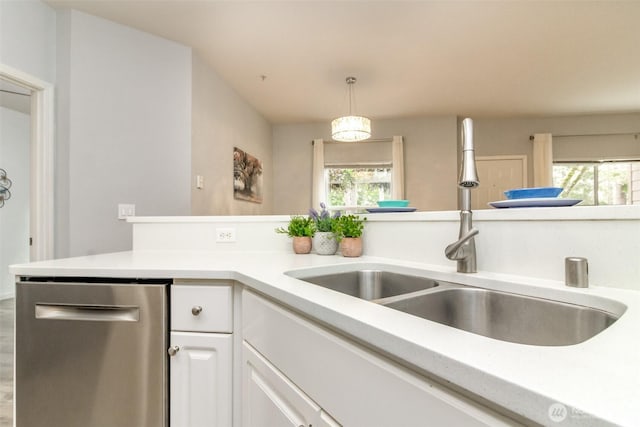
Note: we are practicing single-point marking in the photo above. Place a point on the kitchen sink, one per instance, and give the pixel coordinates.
(495, 314)
(371, 284)
(508, 317)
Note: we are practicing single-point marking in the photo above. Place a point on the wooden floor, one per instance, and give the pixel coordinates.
(6, 362)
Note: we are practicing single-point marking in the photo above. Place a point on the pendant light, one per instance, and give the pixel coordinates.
(351, 128)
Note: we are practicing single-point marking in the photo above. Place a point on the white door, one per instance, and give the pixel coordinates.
(200, 383)
(498, 174)
(270, 399)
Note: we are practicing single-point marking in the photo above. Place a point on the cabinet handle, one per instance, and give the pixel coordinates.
(196, 310)
(173, 350)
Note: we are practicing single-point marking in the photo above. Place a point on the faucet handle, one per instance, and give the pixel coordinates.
(455, 250)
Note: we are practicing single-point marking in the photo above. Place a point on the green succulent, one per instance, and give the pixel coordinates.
(349, 226)
(299, 226)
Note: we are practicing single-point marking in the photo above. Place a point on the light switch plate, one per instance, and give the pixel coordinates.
(125, 210)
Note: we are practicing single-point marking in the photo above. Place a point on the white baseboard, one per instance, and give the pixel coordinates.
(7, 296)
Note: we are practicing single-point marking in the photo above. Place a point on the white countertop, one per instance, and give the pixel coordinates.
(597, 380)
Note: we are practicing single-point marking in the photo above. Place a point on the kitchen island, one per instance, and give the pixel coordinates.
(595, 381)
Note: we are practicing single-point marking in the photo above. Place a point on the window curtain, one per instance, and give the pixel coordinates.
(542, 160)
(397, 159)
(596, 147)
(318, 194)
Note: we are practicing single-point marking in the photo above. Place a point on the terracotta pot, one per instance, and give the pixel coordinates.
(302, 245)
(351, 246)
(325, 243)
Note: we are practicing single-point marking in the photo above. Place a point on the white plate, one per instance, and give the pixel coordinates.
(391, 209)
(534, 202)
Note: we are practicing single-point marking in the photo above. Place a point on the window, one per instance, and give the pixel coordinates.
(351, 177)
(356, 187)
(599, 183)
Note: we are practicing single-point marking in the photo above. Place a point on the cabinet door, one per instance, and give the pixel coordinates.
(355, 385)
(200, 383)
(271, 400)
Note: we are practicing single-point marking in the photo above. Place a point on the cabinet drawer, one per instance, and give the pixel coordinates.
(201, 308)
(271, 399)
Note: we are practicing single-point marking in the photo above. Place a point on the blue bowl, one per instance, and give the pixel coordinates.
(393, 203)
(533, 193)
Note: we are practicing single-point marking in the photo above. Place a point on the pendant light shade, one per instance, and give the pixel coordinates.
(351, 128)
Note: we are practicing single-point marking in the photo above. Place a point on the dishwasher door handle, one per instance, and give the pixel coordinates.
(91, 313)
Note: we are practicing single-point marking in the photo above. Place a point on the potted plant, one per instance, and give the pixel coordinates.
(349, 230)
(300, 228)
(324, 238)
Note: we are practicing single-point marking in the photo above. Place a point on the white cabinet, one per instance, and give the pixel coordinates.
(200, 390)
(355, 385)
(270, 399)
(200, 380)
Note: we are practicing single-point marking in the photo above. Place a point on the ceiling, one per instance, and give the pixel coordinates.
(476, 58)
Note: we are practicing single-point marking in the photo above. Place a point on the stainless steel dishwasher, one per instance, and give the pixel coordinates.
(91, 352)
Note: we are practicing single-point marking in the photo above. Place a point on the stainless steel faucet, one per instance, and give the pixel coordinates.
(464, 249)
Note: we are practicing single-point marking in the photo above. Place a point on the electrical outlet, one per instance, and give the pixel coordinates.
(225, 235)
(125, 210)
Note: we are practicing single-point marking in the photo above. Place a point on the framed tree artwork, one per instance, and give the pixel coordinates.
(247, 176)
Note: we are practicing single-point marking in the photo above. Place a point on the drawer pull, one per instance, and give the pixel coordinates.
(173, 350)
(196, 310)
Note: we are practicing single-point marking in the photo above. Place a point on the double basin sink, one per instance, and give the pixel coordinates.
(495, 314)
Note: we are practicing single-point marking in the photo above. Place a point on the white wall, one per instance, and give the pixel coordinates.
(223, 120)
(292, 159)
(430, 155)
(430, 159)
(15, 129)
(124, 131)
(63, 73)
(28, 38)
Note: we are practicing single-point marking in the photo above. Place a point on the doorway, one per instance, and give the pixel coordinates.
(15, 142)
(498, 174)
(41, 161)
